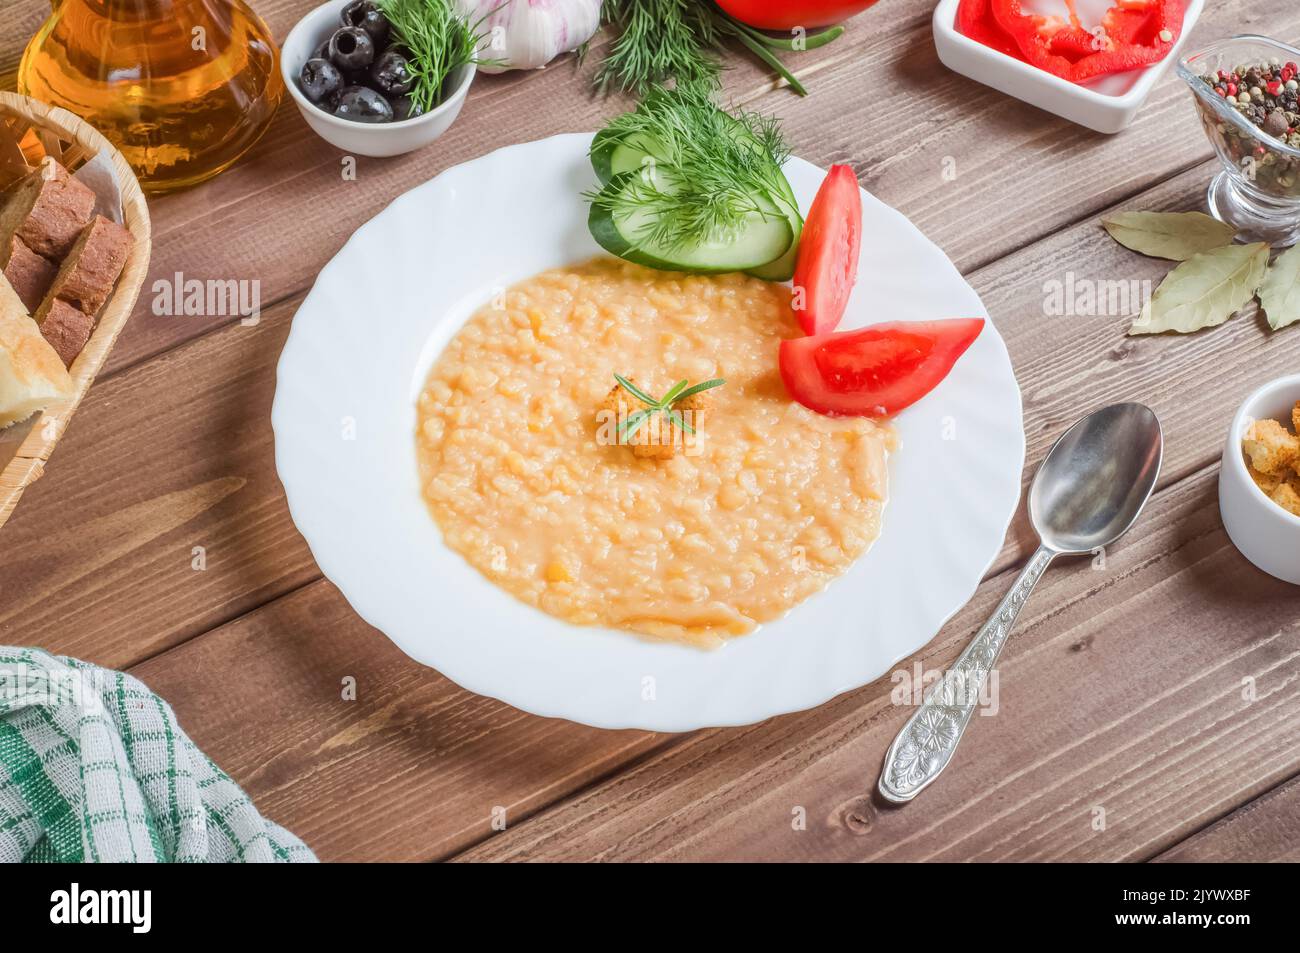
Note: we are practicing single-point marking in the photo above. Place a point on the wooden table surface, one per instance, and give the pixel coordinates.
(1124, 689)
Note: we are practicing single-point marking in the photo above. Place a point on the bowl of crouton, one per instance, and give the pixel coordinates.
(1259, 481)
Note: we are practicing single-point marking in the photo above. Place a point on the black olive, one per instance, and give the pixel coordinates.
(322, 52)
(361, 104)
(319, 78)
(404, 107)
(364, 14)
(391, 75)
(351, 48)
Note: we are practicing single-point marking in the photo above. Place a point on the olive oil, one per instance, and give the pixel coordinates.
(183, 88)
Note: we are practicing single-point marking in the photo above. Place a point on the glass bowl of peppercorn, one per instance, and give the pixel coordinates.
(1247, 94)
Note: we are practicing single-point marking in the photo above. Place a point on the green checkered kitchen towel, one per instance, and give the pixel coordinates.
(93, 767)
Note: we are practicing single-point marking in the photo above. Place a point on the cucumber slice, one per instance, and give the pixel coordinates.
(764, 239)
(624, 155)
(783, 268)
(611, 155)
(632, 156)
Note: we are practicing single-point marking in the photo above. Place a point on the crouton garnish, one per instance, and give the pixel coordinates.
(656, 427)
(1271, 448)
(1287, 496)
(1265, 481)
(1273, 460)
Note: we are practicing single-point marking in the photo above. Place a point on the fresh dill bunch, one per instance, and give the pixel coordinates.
(711, 171)
(659, 40)
(683, 40)
(439, 39)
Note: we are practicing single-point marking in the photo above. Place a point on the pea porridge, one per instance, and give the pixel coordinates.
(762, 506)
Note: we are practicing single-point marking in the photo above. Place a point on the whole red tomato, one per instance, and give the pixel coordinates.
(809, 14)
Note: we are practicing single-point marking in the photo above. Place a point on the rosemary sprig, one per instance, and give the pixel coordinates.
(707, 180)
(665, 405)
(440, 41)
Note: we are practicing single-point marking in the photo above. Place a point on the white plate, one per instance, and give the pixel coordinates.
(344, 419)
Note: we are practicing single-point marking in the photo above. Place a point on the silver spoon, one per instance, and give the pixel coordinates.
(1087, 493)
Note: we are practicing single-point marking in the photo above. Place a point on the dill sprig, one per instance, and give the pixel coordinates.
(711, 171)
(659, 40)
(664, 40)
(666, 405)
(440, 40)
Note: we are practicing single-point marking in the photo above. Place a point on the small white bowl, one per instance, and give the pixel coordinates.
(1265, 533)
(1107, 105)
(367, 139)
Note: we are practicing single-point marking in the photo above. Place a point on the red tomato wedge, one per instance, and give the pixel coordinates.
(789, 14)
(827, 264)
(874, 371)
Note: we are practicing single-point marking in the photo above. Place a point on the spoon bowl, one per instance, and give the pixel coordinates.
(1096, 479)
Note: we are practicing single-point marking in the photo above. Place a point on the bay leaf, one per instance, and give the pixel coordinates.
(1205, 290)
(1280, 292)
(1173, 235)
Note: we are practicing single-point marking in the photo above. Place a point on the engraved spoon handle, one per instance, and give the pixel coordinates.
(927, 742)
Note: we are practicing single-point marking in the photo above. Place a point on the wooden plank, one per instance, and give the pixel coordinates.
(1121, 691)
(24, 19)
(100, 559)
(413, 769)
(1068, 364)
(1265, 830)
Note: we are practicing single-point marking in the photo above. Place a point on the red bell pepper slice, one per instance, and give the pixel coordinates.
(1130, 24)
(975, 20)
(1134, 40)
(1134, 33)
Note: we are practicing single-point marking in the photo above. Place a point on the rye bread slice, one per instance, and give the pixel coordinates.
(92, 266)
(65, 327)
(30, 274)
(47, 210)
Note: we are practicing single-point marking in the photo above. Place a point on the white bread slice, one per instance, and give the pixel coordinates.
(32, 375)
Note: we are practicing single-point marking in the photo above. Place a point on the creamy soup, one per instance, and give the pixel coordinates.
(766, 504)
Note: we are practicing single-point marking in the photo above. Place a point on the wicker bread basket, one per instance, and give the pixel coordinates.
(73, 142)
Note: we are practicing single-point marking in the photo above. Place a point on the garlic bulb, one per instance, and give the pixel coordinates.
(528, 34)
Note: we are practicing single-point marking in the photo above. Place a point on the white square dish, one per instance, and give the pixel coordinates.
(1107, 105)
